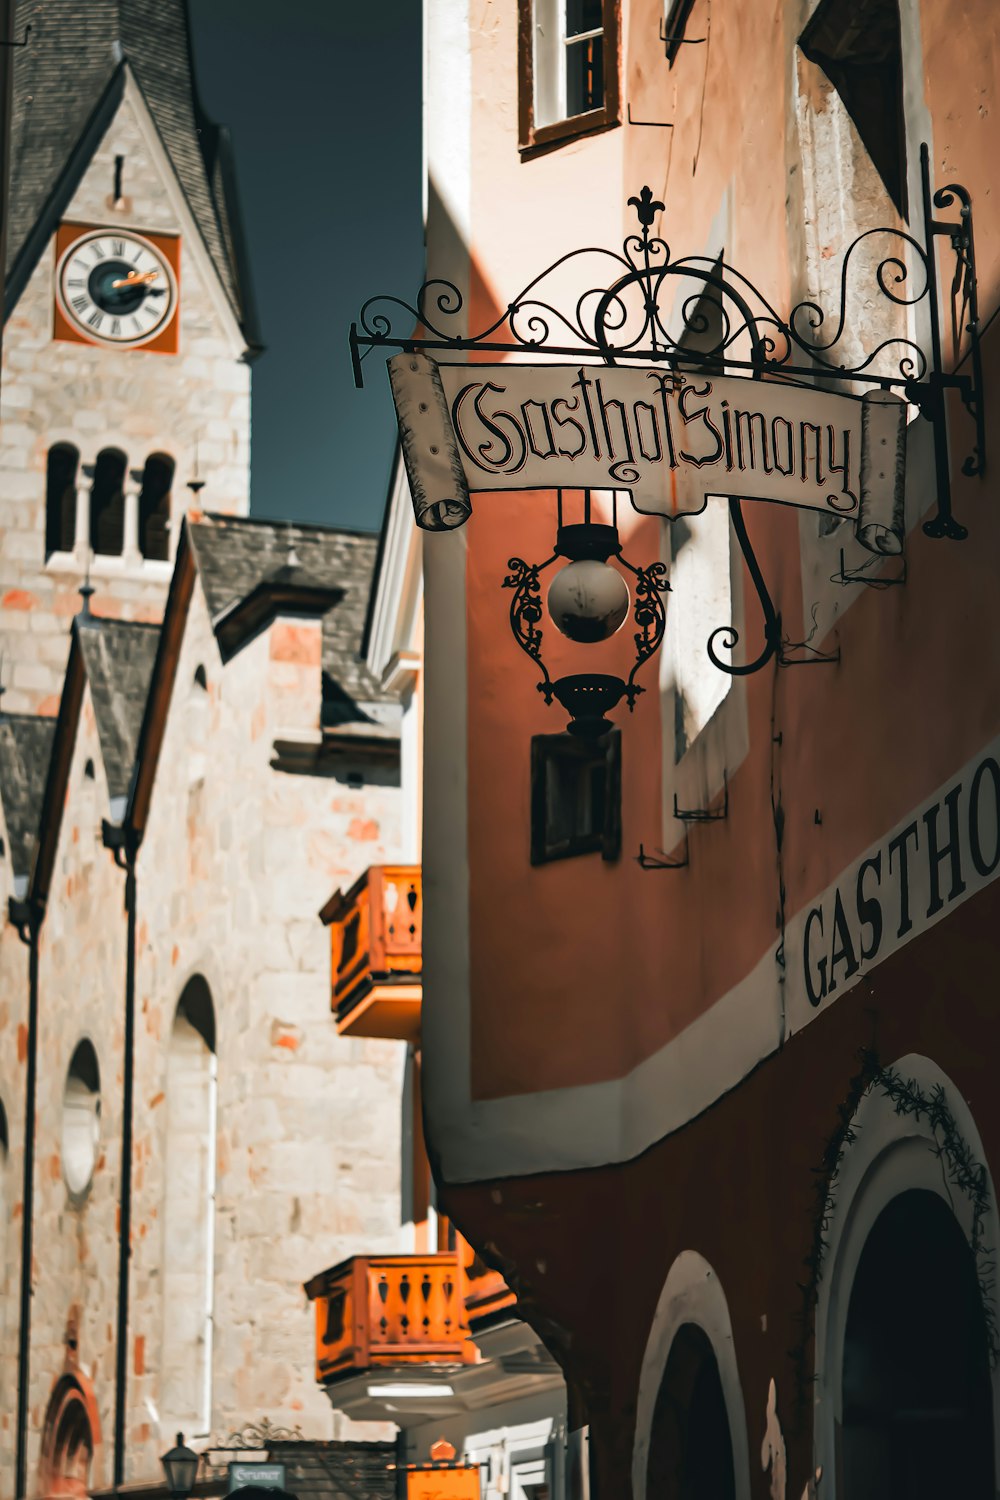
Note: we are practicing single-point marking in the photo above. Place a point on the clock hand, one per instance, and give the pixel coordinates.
(136, 278)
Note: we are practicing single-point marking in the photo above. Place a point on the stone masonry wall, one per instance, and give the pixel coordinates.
(194, 405)
(13, 1054)
(236, 862)
(237, 859)
(81, 994)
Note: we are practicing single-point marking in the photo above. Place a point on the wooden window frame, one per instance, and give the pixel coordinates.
(606, 840)
(535, 140)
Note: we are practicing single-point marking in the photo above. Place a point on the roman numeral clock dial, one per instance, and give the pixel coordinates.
(116, 288)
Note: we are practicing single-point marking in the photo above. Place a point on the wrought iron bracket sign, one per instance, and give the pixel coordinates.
(676, 380)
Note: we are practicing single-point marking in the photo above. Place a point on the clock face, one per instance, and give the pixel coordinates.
(116, 288)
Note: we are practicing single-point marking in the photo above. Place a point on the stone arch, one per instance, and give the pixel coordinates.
(71, 1434)
(890, 1170)
(189, 1212)
(690, 1334)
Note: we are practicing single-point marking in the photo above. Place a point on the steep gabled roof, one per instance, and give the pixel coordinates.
(249, 572)
(25, 750)
(118, 658)
(115, 659)
(237, 556)
(68, 82)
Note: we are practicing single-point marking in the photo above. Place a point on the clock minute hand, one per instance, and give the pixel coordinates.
(136, 278)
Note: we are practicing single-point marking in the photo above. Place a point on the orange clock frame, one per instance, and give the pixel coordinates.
(169, 246)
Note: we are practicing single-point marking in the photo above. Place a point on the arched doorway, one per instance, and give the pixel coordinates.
(69, 1436)
(690, 1446)
(916, 1385)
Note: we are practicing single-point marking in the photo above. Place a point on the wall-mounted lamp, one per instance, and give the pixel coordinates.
(588, 601)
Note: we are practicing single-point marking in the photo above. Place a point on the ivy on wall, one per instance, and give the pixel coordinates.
(964, 1172)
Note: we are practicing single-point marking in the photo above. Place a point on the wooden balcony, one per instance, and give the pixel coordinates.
(389, 1310)
(375, 932)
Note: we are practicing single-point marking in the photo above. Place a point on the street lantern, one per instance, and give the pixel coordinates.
(588, 601)
(181, 1468)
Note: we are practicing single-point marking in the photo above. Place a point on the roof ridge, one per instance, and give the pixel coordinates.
(280, 525)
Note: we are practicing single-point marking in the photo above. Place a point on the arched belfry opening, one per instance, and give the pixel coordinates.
(916, 1381)
(189, 1213)
(690, 1444)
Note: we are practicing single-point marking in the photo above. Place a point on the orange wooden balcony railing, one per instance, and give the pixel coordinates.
(375, 932)
(389, 1310)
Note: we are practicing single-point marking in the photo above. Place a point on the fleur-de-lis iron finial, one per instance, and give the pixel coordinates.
(646, 207)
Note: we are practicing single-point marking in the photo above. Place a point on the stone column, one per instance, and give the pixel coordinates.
(131, 552)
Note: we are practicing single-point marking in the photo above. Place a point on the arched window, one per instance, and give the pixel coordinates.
(81, 1119)
(917, 1395)
(189, 1213)
(60, 498)
(154, 506)
(107, 503)
(70, 1433)
(690, 1446)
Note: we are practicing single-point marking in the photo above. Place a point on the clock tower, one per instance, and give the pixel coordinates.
(125, 389)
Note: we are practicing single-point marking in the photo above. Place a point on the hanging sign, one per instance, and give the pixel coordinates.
(670, 438)
(444, 1483)
(262, 1476)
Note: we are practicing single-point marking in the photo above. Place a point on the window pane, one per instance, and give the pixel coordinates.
(584, 15)
(584, 76)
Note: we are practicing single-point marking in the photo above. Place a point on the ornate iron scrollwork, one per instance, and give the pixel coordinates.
(649, 612)
(625, 313)
(526, 613)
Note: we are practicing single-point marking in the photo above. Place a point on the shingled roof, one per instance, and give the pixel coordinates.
(25, 749)
(239, 559)
(68, 82)
(324, 1469)
(118, 657)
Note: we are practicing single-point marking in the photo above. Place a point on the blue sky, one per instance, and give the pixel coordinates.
(323, 100)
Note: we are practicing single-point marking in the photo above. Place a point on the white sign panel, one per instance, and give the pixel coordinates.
(670, 439)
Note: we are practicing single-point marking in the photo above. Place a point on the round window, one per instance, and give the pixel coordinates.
(81, 1119)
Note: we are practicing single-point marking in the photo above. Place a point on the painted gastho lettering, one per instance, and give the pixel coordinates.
(670, 439)
(944, 852)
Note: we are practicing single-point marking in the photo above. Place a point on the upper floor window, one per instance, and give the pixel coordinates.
(858, 45)
(567, 69)
(81, 1119)
(154, 507)
(60, 498)
(107, 503)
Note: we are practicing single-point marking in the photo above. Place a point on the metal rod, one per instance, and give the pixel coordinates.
(359, 379)
(28, 932)
(772, 620)
(943, 524)
(125, 1186)
(692, 364)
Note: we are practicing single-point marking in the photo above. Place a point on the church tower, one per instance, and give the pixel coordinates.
(125, 391)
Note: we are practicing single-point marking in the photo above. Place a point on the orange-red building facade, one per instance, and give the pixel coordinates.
(639, 1082)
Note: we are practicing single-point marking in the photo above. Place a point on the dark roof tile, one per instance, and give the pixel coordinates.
(329, 1470)
(25, 749)
(118, 658)
(236, 557)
